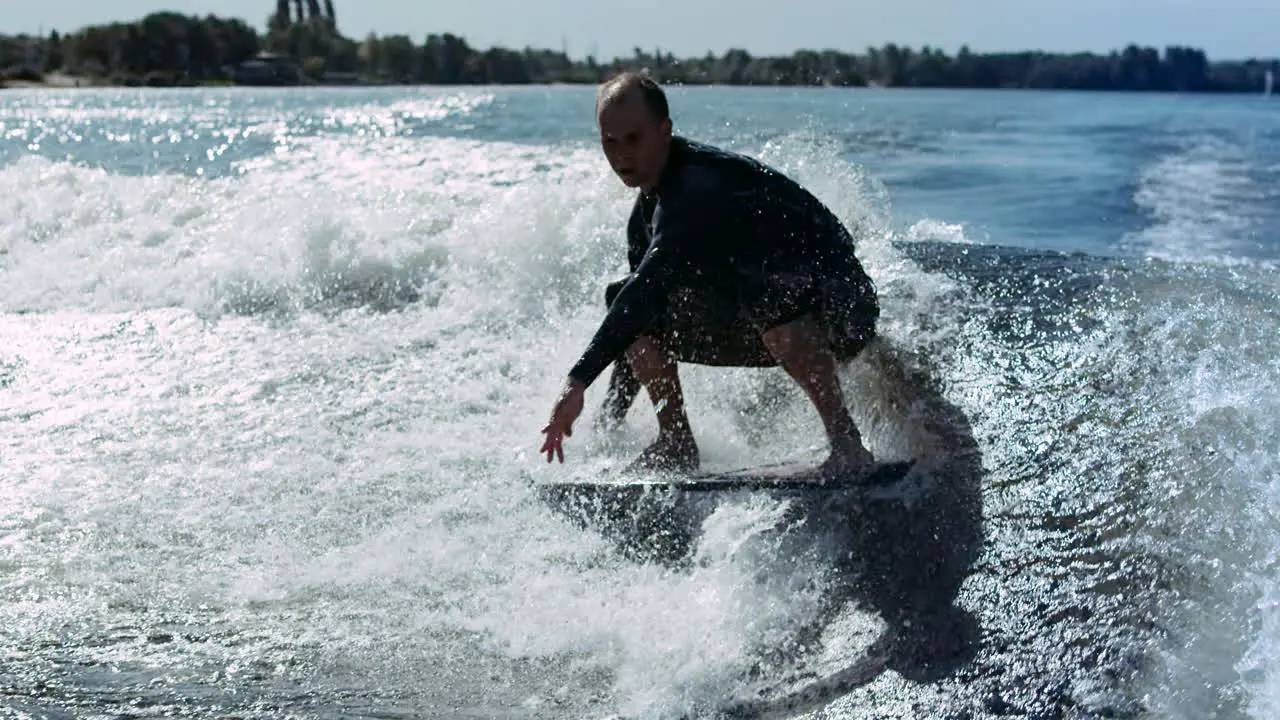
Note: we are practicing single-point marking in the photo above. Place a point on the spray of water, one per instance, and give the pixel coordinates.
(269, 449)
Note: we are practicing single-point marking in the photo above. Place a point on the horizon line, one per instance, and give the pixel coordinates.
(265, 30)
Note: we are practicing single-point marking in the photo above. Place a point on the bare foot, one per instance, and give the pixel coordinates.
(668, 453)
(848, 457)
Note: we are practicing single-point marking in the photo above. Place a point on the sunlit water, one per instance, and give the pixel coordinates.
(273, 365)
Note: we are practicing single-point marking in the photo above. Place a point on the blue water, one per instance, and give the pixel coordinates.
(274, 364)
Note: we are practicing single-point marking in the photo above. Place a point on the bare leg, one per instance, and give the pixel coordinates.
(656, 370)
(623, 383)
(623, 387)
(802, 350)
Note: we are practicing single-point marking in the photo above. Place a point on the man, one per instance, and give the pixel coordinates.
(732, 264)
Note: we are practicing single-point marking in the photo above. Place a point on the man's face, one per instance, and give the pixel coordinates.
(634, 140)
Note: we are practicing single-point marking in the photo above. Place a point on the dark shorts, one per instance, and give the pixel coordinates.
(715, 326)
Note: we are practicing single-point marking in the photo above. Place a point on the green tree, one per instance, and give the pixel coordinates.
(398, 58)
(371, 55)
(170, 47)
(53, 58)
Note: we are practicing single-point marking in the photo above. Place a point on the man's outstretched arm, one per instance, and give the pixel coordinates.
(634, 310)
(679, 236)
(636, 307)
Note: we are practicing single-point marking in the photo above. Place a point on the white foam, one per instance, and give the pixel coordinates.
(929, 230)
(344, 482)
(210, 107)
(1259, 667)
(1214, 470)
(291, 232)
(1200, 199)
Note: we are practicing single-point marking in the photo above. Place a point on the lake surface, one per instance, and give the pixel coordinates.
(273, 365)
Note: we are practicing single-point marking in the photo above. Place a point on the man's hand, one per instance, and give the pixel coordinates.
(567, 409)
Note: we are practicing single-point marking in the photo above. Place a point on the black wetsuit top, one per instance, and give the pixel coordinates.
(720, 220)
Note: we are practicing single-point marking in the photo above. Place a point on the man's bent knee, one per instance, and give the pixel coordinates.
(648, 356)
(812, 335)
(801, 338)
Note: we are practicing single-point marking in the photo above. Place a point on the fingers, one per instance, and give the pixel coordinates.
(556, 430)
(552, 446)
(553, 449)
(548, 445)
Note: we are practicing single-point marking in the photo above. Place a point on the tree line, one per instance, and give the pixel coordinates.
(173, 49)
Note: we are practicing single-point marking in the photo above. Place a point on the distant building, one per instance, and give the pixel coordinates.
(268, 69)
(340, 78)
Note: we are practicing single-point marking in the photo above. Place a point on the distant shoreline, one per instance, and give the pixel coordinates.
(51, 81)
(168, 49)
(85, 83)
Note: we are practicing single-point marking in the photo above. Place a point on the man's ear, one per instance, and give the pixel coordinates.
(665, 128)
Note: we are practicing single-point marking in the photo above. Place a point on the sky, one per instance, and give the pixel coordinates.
(1225, 29)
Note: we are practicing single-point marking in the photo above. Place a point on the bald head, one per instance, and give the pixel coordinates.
(629, 87)
(635, 129)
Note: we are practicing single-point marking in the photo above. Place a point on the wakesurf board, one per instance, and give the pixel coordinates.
(791, 475)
